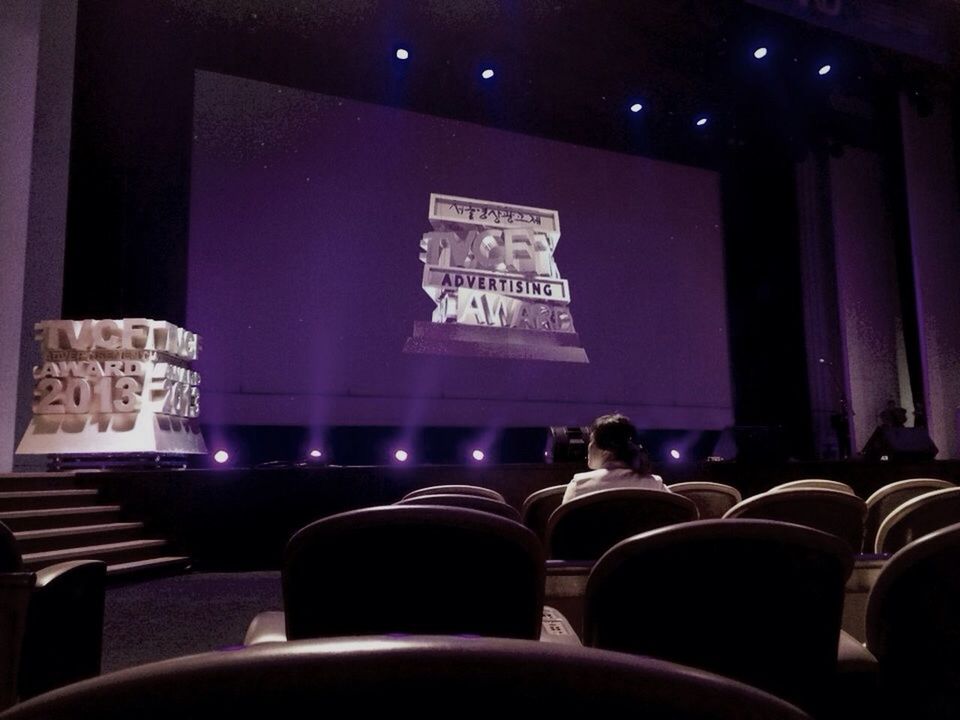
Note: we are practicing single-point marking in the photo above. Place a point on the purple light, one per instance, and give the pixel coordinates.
(221, 456)
(487, 74)
(401, 455)
(402, 54)
(478, 455)
(636, 107)
(701, 121)
(675, 454)
(760, 53)
(823, 70)
(316, 454)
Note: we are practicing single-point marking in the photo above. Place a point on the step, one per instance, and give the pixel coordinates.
(34, 499)
(39, 519)
(151, 566)
(120, 552)
(63, 537)
(37, 481)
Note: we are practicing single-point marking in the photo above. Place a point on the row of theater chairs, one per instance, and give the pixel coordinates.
(757, 601)
(51, 623)
(889, 519)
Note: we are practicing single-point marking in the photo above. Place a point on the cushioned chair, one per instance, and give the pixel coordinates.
(15, 590)
(913, 627)
(917, 517)
(888, 498)
(539, 506)
(712, 499)
(755, 600)
(412, 569)
(815, 483)
(588, 526)
(471, 502)
(832, 511)
(63, 639)
(421, 676)
(456, 490)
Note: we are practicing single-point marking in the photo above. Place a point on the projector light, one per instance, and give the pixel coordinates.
(402, 54)
(701, 121)
(675, 454)
(401, 456)
(487, 74)
(636, 107)
(221, 456)
(823, 70)
(316, 454)
(478, 455)
(760, 53)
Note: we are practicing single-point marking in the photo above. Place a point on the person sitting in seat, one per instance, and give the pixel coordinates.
(616, 460)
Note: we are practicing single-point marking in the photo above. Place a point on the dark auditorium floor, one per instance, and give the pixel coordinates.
(182, 615)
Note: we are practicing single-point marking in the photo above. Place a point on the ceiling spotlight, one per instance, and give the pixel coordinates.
(402, 54)
(823, 70)
(636, 107)
(760, 53)
(316, 454)
(221, 456)
(401, 455)
(675, 454)
(701, 121)
(487, 74)
(478, 455)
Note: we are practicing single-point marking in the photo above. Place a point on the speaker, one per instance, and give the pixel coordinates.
(911, 444)
(568, 444)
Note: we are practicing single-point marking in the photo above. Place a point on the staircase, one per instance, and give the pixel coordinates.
(56, 521)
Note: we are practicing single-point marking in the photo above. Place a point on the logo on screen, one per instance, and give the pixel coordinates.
(490, 271)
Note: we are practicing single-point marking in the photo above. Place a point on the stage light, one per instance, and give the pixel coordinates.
(636, 107)
(402, 54)
(478, 455)
(221, 456)
(675, 454)
(824, 69)
(701, 121)
(315, 454)
(760, 53)
(487, 74)
(401, 455)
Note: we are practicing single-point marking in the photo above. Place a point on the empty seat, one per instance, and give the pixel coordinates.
(588, 526)
(423, 676)
(913, 627)
(756, 600)
(412, 569)
(539, 506)
(815, 483)
(917, 517)
(712, 499)
(888, 498)
(472, 502)
(838, 513)
(456, 490)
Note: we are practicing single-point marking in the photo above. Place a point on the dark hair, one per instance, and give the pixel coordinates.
(617, 435)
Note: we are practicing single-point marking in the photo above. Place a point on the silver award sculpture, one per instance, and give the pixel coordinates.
(489, 269)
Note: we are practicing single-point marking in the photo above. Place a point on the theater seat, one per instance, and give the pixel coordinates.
(712, 499)
(588, 526)
(15, 590)
(412, 569)
(816, 484)
(917, 517)
(471, 502)
(456, 490)
(756, 600)
(539, 506)
(63, 636)
(890, 497)
(913, 627)
(429, 677)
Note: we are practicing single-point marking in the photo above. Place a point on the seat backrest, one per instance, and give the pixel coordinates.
(756, 600)
(832, 511)
(913, 627)
(888, 498)
(539, 506)
(10, 559)
(472, 502)
(429, 677)
(815, 483)
(15, 591)
(413, 569)
(712, 499)
(456, 490)
(917, 517)
(588, 526)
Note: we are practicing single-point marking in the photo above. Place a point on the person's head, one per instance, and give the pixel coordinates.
(613, 439)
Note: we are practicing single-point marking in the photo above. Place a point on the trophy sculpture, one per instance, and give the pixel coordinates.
(489, 269)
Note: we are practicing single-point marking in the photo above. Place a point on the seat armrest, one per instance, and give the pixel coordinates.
(53, 573)
(555, 628)
(268, 626)
(853, 657)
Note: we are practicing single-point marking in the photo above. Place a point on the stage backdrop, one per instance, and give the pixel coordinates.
(305, 279)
